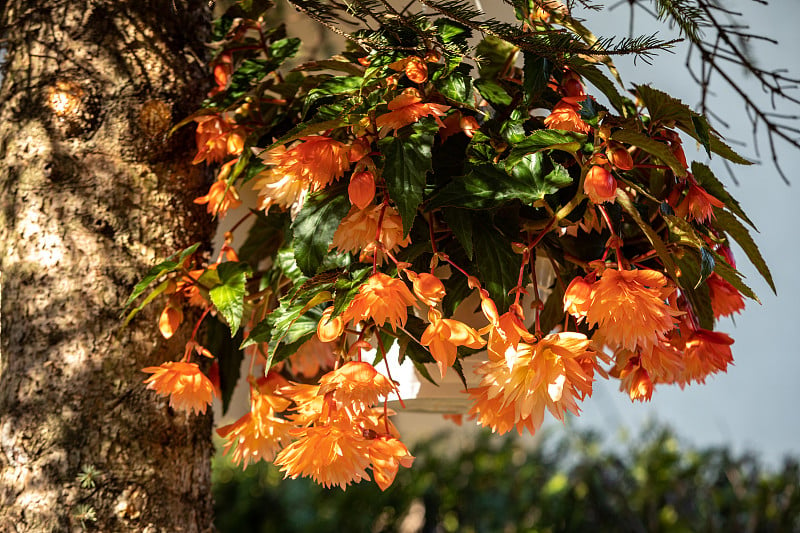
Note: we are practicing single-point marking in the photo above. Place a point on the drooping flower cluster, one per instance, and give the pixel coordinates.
(408, 198)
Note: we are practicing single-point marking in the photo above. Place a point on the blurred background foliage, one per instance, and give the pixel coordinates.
(652, 483)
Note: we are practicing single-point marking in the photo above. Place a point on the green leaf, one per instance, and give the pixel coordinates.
(692, 286)
(493, 54)
(407, 161)
(170, 264)
(682, 232)
(150, 297)
(707, 263)
(229, 355)
(666, 257)
(703, 132)
(590, 111)
(285, 261)
(497, 263)
(663, 107)
(228, 297)
(493, 92)
(346, 288)
(536, 72)
(457, 87)
(450, 31)
(315, 225)
(566, 141)
(460, 222)
(264, 237)
(595, 76)
(736, 230)
(705, 177)
(290, 324)
(489, 186)
(651, 146)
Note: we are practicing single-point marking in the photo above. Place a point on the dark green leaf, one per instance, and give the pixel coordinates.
(497, 263)
(264, 237)
(590, 111)
(228, 297)
(460, 222)
(536, 74)
(489, 186)
(170, 264)
(703, 132)
(450, 31)
(651, 146)
(595, 76)
(736, 230)
(407, 161)
(457, 87)
(346, 288)
(692, 286)
(707, 263)
(663, 107)
(493, 92)
(315, 225)
(566, 141)
(229, 356)
(666, 257)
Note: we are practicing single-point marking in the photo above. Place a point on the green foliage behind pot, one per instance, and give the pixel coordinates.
(572, 484)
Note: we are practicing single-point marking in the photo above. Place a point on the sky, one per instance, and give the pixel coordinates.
(754, 406)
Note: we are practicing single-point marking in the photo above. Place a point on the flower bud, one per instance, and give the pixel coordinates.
(468, 125)
(328, 330)
(619, 156)
(577, 297)
(600, 186)
(361, 189)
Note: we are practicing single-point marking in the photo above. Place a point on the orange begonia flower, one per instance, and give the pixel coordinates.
(635, 380)
(725, 298)
(356, 232)
(698, 204)
(406, 109)
(220, 198)
(565, 116)
(187, 387)
(323, 159)
(212, 137)
(355, 384)
(381, 299)
(551, 373)
(284, 184)
(331, 455)
(630, 309)
(427, 287)
(444, 336)
(707, 352)
(387, 455)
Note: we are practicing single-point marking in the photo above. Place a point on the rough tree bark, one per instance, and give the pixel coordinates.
(91, 195)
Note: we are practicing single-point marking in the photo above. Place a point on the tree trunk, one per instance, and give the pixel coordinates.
(92, 193)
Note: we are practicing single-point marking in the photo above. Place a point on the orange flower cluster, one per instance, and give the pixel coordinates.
(338, 434)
